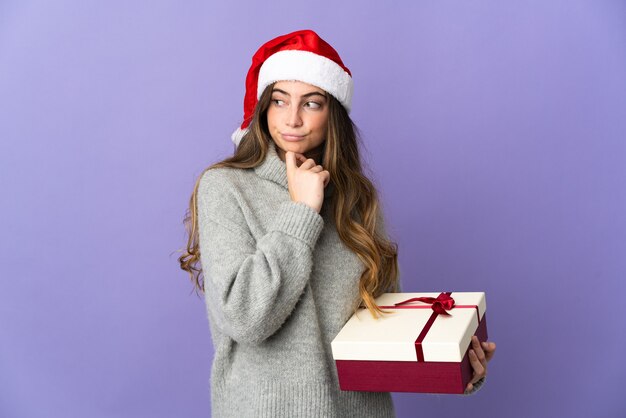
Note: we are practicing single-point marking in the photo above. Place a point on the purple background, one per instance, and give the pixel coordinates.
(495, 132)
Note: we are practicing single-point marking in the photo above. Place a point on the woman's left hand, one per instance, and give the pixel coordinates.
(479, 355)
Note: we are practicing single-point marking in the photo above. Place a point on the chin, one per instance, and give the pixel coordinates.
(295, 147)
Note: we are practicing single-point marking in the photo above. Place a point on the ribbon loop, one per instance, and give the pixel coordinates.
(441, 304)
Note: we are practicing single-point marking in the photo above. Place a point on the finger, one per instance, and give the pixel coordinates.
(490, 349)
(469, 386)
(326, 176)
(300, 158)
(478, 350)
(317, 169)
(479, 369)
(488, 346)
(290, 160)
(308, 163)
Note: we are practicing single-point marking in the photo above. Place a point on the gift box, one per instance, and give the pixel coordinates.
(421, 344)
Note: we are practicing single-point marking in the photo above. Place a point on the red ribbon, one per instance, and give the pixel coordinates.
(440, 306)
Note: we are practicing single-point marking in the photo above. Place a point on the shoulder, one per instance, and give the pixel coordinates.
(225, 191)
(219, 203)
(216, 182)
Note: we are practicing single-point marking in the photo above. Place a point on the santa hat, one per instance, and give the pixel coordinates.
(301, 56)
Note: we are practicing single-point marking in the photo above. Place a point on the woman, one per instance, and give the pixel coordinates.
(291, 240)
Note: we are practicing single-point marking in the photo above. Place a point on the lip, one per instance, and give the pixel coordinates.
(291, 137)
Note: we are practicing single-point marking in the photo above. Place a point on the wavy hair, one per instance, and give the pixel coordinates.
(354, 202)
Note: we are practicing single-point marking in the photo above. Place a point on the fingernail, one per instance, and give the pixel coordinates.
(485, 344)
(472, 352)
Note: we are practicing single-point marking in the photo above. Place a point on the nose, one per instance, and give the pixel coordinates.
(293, 117)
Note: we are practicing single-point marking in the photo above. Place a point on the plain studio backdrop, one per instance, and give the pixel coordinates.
(495, 131)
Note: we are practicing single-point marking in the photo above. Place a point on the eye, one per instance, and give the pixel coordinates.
(313, 105)
(278, 102)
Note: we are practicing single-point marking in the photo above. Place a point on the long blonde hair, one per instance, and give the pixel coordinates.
(354, 202)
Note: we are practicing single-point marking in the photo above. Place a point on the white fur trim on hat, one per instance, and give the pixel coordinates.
(238, 135)
(310, 68)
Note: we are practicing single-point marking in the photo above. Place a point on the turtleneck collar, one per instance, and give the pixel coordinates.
(273, 168)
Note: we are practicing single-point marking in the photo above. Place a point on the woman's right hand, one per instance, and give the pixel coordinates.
(306, 182)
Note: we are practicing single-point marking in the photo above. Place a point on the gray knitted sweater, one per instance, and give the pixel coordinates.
(279, 285)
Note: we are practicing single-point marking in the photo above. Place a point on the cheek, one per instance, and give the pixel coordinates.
(321, 122)
(271, 118)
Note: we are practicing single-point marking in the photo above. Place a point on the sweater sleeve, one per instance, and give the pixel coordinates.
(252, 286)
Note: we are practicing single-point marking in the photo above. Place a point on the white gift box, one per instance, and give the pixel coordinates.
(411, 347)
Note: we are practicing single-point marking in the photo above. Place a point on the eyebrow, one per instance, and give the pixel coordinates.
(314, 93)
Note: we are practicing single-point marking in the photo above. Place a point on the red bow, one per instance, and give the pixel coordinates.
(441, 304)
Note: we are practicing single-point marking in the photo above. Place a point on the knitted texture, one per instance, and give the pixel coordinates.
(279, 286)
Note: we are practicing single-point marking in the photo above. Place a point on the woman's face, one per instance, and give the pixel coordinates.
(297, 118)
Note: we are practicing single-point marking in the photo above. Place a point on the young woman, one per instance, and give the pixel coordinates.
(290, 238)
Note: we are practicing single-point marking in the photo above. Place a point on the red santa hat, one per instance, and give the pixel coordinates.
(301, 56)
